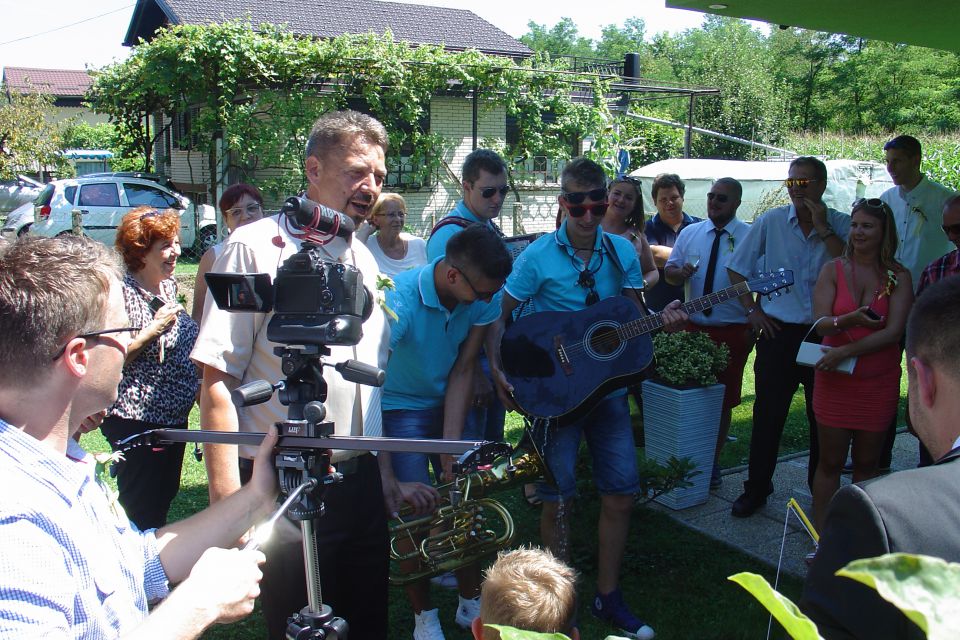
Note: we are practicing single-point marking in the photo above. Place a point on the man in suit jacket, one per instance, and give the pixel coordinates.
(913, 511)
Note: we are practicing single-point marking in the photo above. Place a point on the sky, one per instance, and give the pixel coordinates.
(76, 34)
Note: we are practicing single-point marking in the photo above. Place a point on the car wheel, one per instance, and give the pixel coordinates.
(24, 230)
(208, 238)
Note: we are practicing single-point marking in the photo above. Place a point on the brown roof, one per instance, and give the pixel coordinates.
(456, 29)
(55, 82)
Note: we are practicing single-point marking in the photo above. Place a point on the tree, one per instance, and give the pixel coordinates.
(563, 39)
(29, 140)
(81, 135)
(255, 92)
(728, 54)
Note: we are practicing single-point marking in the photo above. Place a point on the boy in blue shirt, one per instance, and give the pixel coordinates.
(443, 311)
(568, 270)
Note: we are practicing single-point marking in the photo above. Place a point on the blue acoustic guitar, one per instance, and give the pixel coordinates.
(561, 363)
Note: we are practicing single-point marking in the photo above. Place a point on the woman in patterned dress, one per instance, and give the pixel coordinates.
(160, 381)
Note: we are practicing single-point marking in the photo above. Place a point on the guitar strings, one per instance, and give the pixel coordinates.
(621, 333)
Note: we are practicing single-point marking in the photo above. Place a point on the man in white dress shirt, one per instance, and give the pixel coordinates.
(917, 204)
(699, 261)
(801, 236)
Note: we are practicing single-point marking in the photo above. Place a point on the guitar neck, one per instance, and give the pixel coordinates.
(654, 321)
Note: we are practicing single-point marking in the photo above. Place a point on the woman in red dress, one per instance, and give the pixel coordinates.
(862, 300)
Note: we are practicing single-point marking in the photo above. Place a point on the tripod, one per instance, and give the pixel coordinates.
(303, 460)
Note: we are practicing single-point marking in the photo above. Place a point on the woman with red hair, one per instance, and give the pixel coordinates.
(160, 381)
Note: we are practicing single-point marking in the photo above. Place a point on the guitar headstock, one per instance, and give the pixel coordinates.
(770, 283)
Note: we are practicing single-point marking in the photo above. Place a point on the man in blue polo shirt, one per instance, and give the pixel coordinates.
(484, 191)
(568, 270)
(443, 311)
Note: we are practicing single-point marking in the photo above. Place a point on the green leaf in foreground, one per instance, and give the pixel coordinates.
(799, 626)
(509, 633)
(925, 589)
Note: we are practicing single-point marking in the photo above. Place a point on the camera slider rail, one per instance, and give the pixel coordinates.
(473, 454)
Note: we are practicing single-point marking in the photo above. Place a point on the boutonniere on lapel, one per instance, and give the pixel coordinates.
(920, 214)
(385, 282)
(731, 243)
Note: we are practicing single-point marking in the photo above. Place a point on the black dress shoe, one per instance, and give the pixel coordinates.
(746, 505)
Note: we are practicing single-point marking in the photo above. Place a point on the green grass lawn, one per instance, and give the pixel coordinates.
(675, 578)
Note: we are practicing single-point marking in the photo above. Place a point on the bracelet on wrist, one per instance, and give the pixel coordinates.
(824, 236)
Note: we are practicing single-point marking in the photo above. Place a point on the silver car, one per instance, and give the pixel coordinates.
(18, 222)
(14, 193)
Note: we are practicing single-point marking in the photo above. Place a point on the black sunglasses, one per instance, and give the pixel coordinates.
(719, 197)
(587, 281)
(577, 197)
(487, 192)
(598, 209)
(486, 296)
(951, 229)
(629, 179)
(95, 334)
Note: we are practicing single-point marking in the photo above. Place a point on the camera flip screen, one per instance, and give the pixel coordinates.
(241, 291)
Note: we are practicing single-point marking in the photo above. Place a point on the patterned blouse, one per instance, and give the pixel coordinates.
(160, 384)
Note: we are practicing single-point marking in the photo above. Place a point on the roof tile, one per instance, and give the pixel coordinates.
(56, 82)
(414, 23)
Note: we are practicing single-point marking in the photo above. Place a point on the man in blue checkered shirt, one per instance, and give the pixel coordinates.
(71, 564)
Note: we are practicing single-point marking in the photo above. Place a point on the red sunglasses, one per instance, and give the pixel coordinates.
(597, 209)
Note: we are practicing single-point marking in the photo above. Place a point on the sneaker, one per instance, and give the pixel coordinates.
(427, 626)
(446, 580)
(468, 610)
(612, 609)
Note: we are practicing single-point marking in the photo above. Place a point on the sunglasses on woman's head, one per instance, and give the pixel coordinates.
(576, 197)
(873, 203)
(487, 192)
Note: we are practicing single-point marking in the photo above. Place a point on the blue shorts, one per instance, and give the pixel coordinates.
(422, 424)
(610, 441)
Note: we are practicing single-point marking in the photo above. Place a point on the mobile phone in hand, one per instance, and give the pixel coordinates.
(156, 304)
(873, 315)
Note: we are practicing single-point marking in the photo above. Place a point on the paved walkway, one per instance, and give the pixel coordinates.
(761, 535)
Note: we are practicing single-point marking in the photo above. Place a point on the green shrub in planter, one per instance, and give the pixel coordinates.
(688, 359)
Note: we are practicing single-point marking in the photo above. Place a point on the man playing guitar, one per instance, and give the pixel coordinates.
(568, 270)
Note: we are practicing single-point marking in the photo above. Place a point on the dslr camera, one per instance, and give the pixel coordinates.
(315, 301)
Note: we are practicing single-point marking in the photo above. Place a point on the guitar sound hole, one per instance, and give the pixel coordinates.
(604, 341)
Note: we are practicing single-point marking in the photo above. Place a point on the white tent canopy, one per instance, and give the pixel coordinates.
(762, 183)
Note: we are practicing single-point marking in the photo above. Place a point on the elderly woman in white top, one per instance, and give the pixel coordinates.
(393, 250)
(240, 204)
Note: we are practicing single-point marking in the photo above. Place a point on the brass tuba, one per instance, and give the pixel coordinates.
(467, 525)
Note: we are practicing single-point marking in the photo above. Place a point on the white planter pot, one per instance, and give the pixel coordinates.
(683, 423)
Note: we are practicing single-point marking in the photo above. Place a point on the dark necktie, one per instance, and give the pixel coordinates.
(712, 266)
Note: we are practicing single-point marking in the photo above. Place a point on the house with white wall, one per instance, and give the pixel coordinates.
(67, 87)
